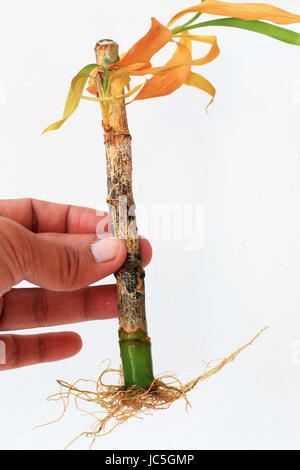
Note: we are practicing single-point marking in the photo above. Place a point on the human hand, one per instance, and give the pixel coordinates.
(53, 246)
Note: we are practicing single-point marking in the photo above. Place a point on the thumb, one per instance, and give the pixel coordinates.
(56, 266)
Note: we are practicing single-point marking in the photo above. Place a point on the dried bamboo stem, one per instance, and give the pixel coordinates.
(134, 341)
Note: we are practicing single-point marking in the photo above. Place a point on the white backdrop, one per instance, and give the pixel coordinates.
(240, 163)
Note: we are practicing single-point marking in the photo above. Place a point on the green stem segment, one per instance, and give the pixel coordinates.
(136, 359)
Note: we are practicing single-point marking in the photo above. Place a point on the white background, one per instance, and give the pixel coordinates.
(241, 162)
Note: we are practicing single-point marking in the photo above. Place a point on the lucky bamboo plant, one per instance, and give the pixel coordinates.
(107, 79)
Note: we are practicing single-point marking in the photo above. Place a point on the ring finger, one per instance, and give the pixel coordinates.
(26, 350)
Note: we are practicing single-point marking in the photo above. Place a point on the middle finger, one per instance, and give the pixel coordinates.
(34, 308)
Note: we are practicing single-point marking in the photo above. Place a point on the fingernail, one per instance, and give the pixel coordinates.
(105, 250)
(2, 352)
(101, 236)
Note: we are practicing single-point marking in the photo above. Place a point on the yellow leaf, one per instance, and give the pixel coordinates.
(113, 98)
(212, 54)
(186, 39)
(196, 80)
(117, 82)
(73, 99)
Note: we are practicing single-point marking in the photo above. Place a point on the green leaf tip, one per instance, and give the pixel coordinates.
(261, 27)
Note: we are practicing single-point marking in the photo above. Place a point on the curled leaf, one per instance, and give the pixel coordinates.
(170, 78)
(113, 98)
(118, 81)
(73, 99)
(244, 11)
(213, 52)
(196, 80)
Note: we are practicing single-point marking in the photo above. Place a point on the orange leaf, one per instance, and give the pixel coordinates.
(147, 46)
(244, 11)
(213, 52)
(92, 85)
(139, 55)
(174, 76)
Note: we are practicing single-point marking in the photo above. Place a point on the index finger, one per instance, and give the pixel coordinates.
(42, 216)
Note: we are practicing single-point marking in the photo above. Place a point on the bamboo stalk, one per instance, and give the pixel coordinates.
(135, 345)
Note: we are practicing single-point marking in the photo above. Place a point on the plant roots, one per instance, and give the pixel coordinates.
(118, 404)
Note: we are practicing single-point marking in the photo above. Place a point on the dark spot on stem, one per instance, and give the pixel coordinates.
(138, 296)
(130, 279)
